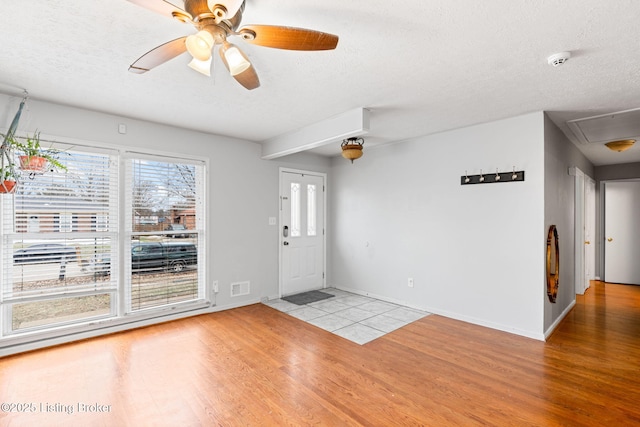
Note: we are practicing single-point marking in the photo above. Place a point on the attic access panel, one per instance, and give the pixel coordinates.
(607, 127)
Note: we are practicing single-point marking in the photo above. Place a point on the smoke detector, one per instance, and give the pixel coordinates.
(558, 59)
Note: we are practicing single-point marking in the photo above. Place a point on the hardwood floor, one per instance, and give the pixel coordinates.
(258, 366)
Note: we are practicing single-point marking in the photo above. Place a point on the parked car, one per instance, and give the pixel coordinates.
(163, 256)
(178, 227)
(151, 257)
(45, 253)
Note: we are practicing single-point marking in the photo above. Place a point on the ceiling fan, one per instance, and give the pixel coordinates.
(215, 21)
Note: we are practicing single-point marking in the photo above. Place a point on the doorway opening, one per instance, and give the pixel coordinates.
(621, 231)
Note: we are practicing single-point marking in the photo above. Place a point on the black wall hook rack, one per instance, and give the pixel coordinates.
(491, 178)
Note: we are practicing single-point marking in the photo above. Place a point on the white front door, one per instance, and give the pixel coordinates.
(301, 232)
(622, 232)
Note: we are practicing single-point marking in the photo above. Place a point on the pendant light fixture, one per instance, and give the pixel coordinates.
(352, 148)
(621, 145)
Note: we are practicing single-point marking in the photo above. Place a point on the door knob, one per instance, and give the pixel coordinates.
(610, 239)
(286, 243)
(587, 242)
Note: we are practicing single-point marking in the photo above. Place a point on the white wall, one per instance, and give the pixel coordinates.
(559, 210)
(242, 188)
(475, 252)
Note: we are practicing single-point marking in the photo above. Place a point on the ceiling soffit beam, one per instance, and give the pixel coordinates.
(351, 123)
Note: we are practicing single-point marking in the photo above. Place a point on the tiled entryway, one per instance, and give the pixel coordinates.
(354, 317)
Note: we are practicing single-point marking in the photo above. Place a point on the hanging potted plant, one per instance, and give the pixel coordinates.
(9, 179)
(33, 158)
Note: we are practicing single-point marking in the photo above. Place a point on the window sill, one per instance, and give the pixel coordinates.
(34, 340)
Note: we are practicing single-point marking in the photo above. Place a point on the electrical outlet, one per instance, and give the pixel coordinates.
(410, 282)
(215, 287)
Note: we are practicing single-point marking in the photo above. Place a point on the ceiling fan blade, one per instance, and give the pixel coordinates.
(290, 38)
(159, 55)
(247, 78)
(163, 7)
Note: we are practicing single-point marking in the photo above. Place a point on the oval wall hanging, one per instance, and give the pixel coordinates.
(553, 263)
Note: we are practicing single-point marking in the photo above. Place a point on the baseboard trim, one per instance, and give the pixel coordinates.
(380, 297)
(560, 318)
(451, 315)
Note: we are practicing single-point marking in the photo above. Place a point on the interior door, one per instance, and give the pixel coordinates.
(301, 232)
(579, 231)
(622, 232)
(589, 232)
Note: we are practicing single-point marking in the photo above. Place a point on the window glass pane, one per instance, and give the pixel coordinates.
(163, 272)
(58, 266)
(295, 209)
(61, 310)
(66, 201)
(52, 248)
(311, 210)
(163, 197)
(165, 227)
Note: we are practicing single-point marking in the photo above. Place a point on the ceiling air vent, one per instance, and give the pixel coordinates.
(240, 288)
(607, 127)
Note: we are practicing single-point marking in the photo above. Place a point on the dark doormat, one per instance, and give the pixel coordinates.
(307, 297)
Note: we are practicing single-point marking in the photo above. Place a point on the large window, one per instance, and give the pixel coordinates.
(81, 246)
(164, 227)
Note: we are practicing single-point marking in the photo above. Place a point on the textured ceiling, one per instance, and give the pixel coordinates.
(425, 67)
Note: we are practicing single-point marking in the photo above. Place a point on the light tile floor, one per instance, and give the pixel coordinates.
(354, 317)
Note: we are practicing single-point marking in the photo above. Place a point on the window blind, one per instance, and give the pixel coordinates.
(57, 228)
(164, 223)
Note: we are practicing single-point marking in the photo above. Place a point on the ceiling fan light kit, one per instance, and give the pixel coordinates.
(203, 67)
(199, 45)
(221, 11)
(621, 145)
(236, 60)
(215, 21)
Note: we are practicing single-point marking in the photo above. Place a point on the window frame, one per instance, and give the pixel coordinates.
(129, 220)
(121, 319)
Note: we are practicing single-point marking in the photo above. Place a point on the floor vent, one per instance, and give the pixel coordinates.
(240, 288)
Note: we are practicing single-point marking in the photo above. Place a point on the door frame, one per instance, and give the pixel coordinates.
(281, 171)
(602, 236)
(581, 204)
(591, 228)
